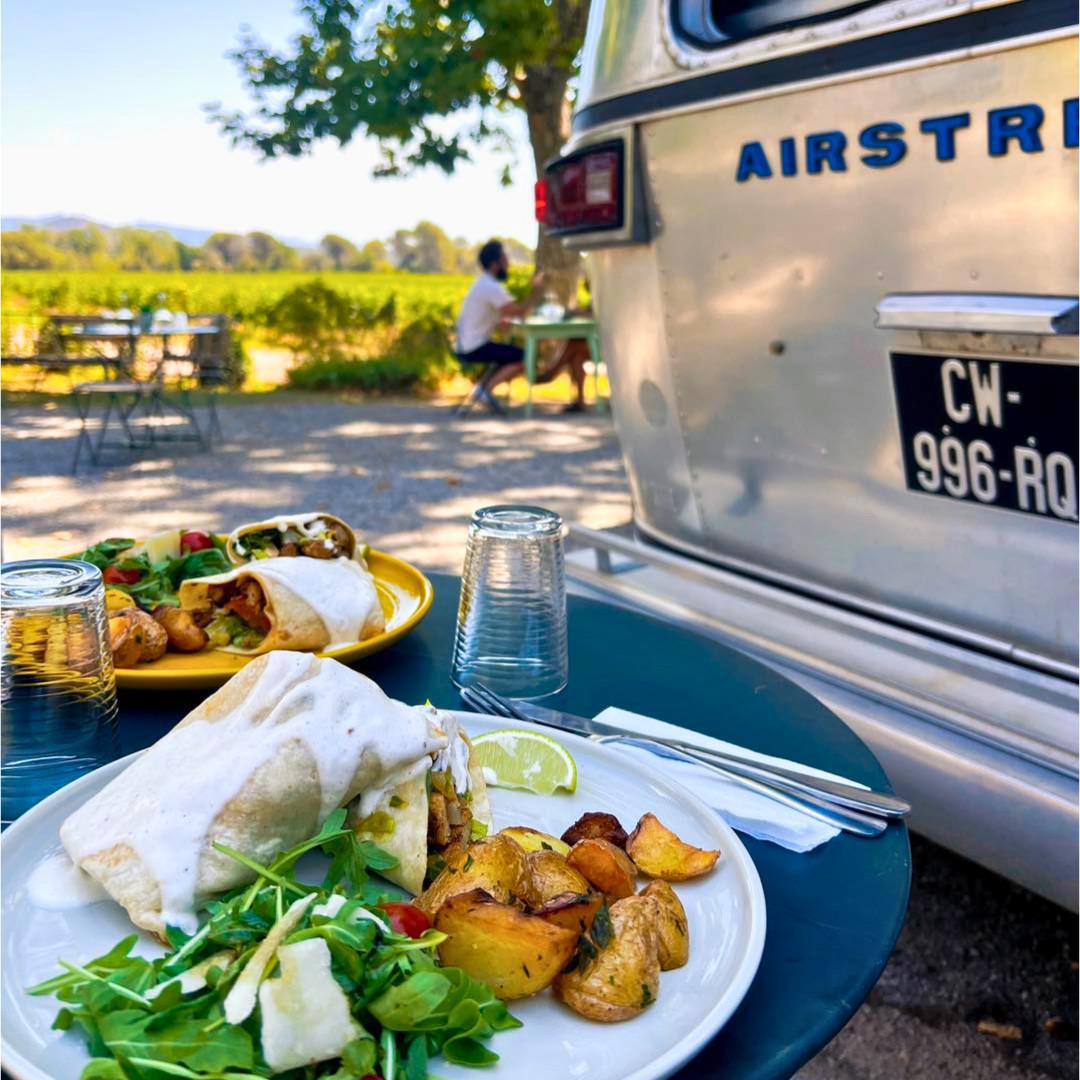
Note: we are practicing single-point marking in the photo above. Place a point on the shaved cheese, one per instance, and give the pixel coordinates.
(195, 977)
(158, 548)
(336, 902)
(240, 1001)
(305, 1014)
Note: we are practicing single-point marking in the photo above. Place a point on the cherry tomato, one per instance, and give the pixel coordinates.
(195, 541)
(406, 919)
(113, 575)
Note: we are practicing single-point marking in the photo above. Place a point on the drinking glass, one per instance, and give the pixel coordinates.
(511, 627)
(57, 688)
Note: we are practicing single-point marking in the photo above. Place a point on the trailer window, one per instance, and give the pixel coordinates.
(720, 22)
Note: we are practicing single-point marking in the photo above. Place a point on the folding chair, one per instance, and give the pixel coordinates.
(480, 392)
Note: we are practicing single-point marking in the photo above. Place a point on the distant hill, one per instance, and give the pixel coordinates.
(185, 234)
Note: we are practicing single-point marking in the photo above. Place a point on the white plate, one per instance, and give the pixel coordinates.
(725, 910)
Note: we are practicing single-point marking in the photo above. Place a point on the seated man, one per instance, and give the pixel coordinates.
(487, 304)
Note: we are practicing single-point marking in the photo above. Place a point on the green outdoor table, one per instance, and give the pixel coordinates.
(833, 914)
(533, 331)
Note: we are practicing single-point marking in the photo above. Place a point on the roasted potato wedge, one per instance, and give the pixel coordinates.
(135, 638)
(155, 640)
(574, 911)
(125, 644)
(596, 826)
(496, 865)
(183, 633)
(672, 929)
(550, 875)
(624, 976)
(659, 853)
(605, 866)
(516, 954)
(533, 840)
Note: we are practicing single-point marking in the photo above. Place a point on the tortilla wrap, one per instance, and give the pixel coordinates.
(312, 604)
(258, 766)
(406, 807)
(307, 524)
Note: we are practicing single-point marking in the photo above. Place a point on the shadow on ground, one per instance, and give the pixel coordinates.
(408, 476)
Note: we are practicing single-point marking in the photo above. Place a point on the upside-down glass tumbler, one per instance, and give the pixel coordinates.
(511, 627)
(57, 688)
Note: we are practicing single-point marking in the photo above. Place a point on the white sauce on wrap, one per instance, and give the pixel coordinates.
(340, 591)
(164, 804)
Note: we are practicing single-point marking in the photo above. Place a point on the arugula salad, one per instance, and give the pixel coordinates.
(284, 978)
(151, 573)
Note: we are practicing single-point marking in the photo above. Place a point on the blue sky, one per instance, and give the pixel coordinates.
(102, 116)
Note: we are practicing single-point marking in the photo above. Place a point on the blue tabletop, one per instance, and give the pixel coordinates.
(833, 914)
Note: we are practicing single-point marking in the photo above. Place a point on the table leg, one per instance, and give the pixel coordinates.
(594, 352)
(530, 371)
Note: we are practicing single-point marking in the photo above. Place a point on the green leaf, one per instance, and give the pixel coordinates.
(359, 1056)
(177, 1037)
(103, 1069)
(403, 1006)
(374, 857)
(416, 1059)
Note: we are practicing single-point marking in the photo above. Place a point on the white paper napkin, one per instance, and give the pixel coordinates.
(745, 810)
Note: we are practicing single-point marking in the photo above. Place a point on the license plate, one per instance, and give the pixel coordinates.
(998, 432)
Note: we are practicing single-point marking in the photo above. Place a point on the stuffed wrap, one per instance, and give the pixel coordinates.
(314, 535)
(446, 805)
(282, 603)
(258, 767)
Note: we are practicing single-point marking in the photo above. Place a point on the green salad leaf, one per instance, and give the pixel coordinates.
(158, 582)
(140, 1023)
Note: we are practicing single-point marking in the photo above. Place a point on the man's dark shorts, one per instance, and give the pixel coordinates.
(494, 352)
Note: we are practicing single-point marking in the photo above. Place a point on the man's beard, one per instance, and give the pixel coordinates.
(502, 274)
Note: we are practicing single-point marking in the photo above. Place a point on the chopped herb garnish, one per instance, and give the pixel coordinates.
(602, 931)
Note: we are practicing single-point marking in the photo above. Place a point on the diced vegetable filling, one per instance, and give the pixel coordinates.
(236, 614)
(331, 541)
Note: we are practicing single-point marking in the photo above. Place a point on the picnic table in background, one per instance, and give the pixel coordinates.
(536, 329)
(133, 390)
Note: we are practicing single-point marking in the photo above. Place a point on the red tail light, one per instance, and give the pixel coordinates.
(540, 200)
(584, 192)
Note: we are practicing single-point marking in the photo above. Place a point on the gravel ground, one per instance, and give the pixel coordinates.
(409, 476)
(975, 948)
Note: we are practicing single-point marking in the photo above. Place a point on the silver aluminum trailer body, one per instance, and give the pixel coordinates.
(839, 318)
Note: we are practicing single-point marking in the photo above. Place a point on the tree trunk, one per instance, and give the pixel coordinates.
(543, 93)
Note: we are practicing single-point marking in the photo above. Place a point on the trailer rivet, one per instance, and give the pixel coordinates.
(777, 348)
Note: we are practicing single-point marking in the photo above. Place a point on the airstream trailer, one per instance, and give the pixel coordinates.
(833, 250)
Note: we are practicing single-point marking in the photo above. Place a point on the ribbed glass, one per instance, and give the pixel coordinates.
(57, 689)
(511, 627)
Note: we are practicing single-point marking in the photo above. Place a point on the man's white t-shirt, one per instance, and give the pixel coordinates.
(480, 313)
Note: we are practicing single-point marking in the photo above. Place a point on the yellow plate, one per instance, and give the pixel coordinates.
(404, 592)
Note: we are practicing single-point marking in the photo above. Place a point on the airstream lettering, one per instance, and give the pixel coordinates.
(846, 385)
(1016, 126)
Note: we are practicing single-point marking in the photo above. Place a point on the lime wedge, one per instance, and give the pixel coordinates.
(525, 759)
